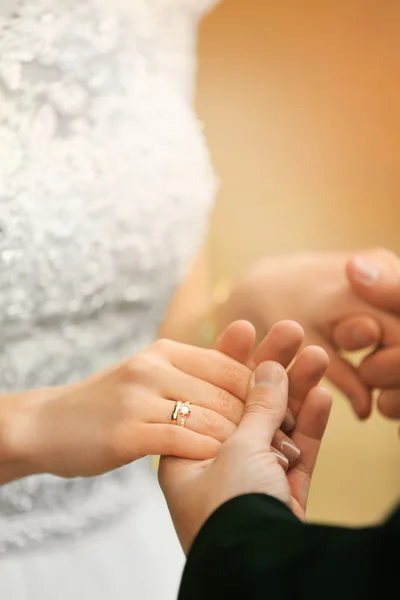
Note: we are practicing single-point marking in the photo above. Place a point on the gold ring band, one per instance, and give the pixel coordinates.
(182, 410)
(175, 413)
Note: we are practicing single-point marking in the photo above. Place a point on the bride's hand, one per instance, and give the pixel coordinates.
(313, 289)
(124, 413)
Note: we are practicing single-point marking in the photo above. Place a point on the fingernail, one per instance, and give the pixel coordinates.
(370, 272)
(367, 271)
(354, 403)
(361, 411)
(268, 374)
(283, 461)
(288, 422)
(291, 451)
(359, 336)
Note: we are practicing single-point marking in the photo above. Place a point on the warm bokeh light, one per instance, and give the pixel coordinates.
(301, 102)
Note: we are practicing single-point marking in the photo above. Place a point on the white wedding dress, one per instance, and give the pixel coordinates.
(105, 189)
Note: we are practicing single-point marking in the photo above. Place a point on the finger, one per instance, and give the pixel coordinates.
(389, 404)
(181, 387)
(288, 422)
(306, 372)
(286, 447)
(237, 341)
(311, 424)
(357, 332)
(347, 379)
(208, 365)
(200, 420)
(381, 369)
(282, 459)
(283, 342)
(266, 403)
(375, 276)
(280, 345)
(171, 440)
(307, 434)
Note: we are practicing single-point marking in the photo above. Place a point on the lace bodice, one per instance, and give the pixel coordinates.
(105, 184)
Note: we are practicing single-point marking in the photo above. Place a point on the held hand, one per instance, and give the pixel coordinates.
(124, 413)
(245, 463)
(313, 289)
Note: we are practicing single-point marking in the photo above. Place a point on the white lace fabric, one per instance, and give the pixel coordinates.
(105, 187)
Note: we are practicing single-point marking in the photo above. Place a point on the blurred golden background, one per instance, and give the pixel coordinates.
(301, 105)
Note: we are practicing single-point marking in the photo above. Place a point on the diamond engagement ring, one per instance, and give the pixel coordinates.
(182, 409)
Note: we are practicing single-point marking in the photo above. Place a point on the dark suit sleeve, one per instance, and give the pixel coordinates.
(253, 547)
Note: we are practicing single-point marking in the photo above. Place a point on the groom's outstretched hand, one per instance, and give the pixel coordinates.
(375, 276)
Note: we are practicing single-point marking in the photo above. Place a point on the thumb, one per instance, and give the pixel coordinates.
(266, 403)
(375, 277)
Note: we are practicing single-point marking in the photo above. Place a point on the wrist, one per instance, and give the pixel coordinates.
(19, 416)
(12, 464)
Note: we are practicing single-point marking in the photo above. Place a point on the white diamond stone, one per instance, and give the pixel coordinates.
(185, 410)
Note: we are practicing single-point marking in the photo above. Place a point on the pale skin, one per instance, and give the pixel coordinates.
(123, 413)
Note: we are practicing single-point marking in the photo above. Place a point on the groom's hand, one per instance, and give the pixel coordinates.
(375, 277)
(246, 463)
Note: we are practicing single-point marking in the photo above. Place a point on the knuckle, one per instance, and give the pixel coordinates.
(211, 421)
(261, 404)
(141, 367)
(132, 368)
(208, 417)
(163, 346)
(224, 401)
(237, 377)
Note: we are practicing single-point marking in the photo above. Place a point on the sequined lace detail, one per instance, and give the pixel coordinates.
(105, 184)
